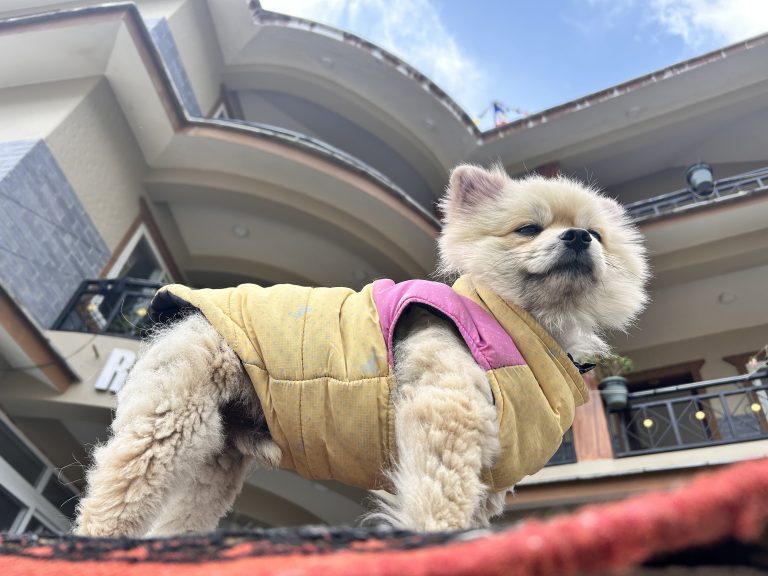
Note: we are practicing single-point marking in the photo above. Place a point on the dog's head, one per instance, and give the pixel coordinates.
(553, 246)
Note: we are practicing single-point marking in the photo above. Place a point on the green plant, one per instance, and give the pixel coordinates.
(612, 365)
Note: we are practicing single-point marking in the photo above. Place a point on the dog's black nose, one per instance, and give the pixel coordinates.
(576, 239)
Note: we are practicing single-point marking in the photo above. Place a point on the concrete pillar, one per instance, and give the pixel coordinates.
(590, 426)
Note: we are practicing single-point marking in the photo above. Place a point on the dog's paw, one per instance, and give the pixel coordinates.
(97, 529)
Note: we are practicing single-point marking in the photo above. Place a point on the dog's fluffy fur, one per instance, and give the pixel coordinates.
(188, 422)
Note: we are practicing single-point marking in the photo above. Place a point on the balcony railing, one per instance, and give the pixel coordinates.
(726, 189)
(566, 454)
(116, 307)
(695, 415)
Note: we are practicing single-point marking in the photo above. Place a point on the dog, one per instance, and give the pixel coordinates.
(448, 396)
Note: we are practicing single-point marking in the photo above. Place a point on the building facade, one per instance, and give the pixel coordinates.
(212, 142)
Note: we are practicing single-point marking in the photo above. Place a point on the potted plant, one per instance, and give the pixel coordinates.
(610, 370)
(759, 361)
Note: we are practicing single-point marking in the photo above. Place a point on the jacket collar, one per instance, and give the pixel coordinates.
(513, 318)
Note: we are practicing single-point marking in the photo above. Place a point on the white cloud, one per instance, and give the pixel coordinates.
(411, 29)
(704, 21)
(697, 22)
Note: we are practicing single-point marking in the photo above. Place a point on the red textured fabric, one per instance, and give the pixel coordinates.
(732, 503)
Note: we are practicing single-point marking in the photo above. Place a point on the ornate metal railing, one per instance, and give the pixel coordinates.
(566, 454)
(695, 415)
(115, 307)
(726, 189)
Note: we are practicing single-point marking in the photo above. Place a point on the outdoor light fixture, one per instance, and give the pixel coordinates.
(700, 180)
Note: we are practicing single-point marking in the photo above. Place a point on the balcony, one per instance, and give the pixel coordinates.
(726, 189)
(694, 415)
(113, 307)
(709, 413)
(566, 453)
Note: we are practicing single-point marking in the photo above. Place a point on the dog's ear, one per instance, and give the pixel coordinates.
(470, 185)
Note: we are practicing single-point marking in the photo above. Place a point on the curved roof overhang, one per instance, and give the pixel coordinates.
(358, 214)
(611, 133)
(349, 76)
(615, 133)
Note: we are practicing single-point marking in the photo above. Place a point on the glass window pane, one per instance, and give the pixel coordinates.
(35, 526)
(9, 510)
(62, 497)
(142, 263)
(16, 453)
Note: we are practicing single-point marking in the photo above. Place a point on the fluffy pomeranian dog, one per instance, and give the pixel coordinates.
(445, 397)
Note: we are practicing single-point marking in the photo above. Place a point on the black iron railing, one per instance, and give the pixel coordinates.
(566, 454)
(692, 416)
(747, 184)
(115, 307)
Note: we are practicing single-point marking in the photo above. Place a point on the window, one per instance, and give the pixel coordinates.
(9, 511)
(16, 453)
(141, 259)
(220, 112)
(36, 526)
(34, 496)
(60, 496)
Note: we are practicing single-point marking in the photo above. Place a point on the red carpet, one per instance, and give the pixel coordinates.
(730, 505)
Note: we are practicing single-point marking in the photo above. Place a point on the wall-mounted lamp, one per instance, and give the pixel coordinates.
(700, 180)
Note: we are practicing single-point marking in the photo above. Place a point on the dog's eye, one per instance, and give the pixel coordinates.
(596, 235)
(529, 230)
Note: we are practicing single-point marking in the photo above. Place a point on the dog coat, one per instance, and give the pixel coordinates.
(321, 362)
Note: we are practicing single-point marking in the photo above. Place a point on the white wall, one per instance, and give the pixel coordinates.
(711, 349)
(29, 112)
(95, 148)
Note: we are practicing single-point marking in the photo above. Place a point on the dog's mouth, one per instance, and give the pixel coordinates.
(575, 265)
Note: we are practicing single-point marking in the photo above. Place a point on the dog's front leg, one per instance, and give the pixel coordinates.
(445, 427)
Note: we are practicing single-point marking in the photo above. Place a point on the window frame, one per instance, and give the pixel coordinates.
(141, 232)
(30, 496)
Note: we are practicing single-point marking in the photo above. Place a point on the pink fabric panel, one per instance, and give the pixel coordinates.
(490, 345)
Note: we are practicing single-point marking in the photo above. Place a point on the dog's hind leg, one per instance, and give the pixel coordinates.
(167, 425)
(445, 428)
(203, 495)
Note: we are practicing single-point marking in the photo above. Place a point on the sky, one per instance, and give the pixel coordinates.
(535, 54)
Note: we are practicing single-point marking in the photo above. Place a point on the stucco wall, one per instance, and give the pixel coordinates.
(197, 44)
(30, 112)
(710, 348)
(694, 309)
(166, 45)
(97, 152)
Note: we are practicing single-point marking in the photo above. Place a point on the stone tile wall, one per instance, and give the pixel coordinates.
(48, 244)
(163, 39)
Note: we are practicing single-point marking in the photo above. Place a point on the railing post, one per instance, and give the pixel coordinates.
(727, 414)
(673, 424)
(624, 419)
(590, 426)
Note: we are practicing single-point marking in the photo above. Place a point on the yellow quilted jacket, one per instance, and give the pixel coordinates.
(320, 361)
